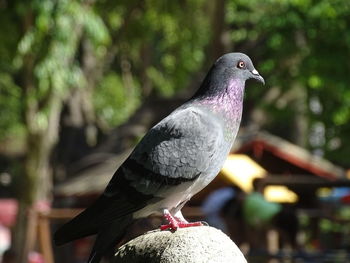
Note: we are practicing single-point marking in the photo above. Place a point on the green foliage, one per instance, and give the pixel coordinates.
(10, 105)
(54, 42)
(161, 52)
(300, 43)
(171, 36)
(152, 48)
(113, 102)
(149, 36)
(50, 51)
(10, 93)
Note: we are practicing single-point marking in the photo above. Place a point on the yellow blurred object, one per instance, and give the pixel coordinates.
(279, 194)
(324, 192)
(242, 170)
(348, 174)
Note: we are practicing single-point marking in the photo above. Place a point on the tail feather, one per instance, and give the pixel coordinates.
(102, 213)
(109, 237)
(81, 226)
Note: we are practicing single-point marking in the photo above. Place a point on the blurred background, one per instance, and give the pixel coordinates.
(81, 81)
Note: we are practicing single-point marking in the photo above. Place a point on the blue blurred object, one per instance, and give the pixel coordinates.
(336, 194)
(213, 205)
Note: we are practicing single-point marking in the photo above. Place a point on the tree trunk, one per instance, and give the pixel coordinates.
(35, 189)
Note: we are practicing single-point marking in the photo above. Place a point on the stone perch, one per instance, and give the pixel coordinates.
(185, 245)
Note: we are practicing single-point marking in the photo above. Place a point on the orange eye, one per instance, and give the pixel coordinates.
(241, 64)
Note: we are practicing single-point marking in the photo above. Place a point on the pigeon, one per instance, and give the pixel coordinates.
(176, 158)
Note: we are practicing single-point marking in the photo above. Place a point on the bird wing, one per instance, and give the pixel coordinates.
(176, 150)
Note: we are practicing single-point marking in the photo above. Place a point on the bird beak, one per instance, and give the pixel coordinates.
(257, 76)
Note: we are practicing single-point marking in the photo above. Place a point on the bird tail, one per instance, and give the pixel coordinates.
(79, 227)
(109, 237)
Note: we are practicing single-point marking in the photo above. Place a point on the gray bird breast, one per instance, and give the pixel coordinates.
(221, 129)
(229, 129)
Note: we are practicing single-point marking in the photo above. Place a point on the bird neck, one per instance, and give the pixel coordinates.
(227, 105)
(227, 101)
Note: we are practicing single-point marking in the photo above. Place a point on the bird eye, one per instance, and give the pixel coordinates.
(241, 64)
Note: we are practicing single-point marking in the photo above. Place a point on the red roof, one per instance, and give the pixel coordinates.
(279, 156)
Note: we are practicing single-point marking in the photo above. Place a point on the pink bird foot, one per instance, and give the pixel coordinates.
(175, 222)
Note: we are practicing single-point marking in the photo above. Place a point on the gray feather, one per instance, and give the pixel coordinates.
(177, 149)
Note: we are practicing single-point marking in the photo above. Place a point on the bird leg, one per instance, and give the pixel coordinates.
(178, 215)
(177, 221)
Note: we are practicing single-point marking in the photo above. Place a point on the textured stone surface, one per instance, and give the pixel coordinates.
(190, 245)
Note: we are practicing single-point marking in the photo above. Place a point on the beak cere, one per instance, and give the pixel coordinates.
(255, 72)
(257, 76)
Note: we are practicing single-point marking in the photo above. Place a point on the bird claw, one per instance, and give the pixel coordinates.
(175, 223)
(204, 223)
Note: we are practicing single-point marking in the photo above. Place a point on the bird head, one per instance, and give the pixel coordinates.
(230, 67)
(237, 66)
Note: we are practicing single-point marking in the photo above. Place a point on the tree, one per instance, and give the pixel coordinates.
(45, 68)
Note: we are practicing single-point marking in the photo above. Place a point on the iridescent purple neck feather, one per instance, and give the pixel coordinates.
(229, 102)
(227, 105)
